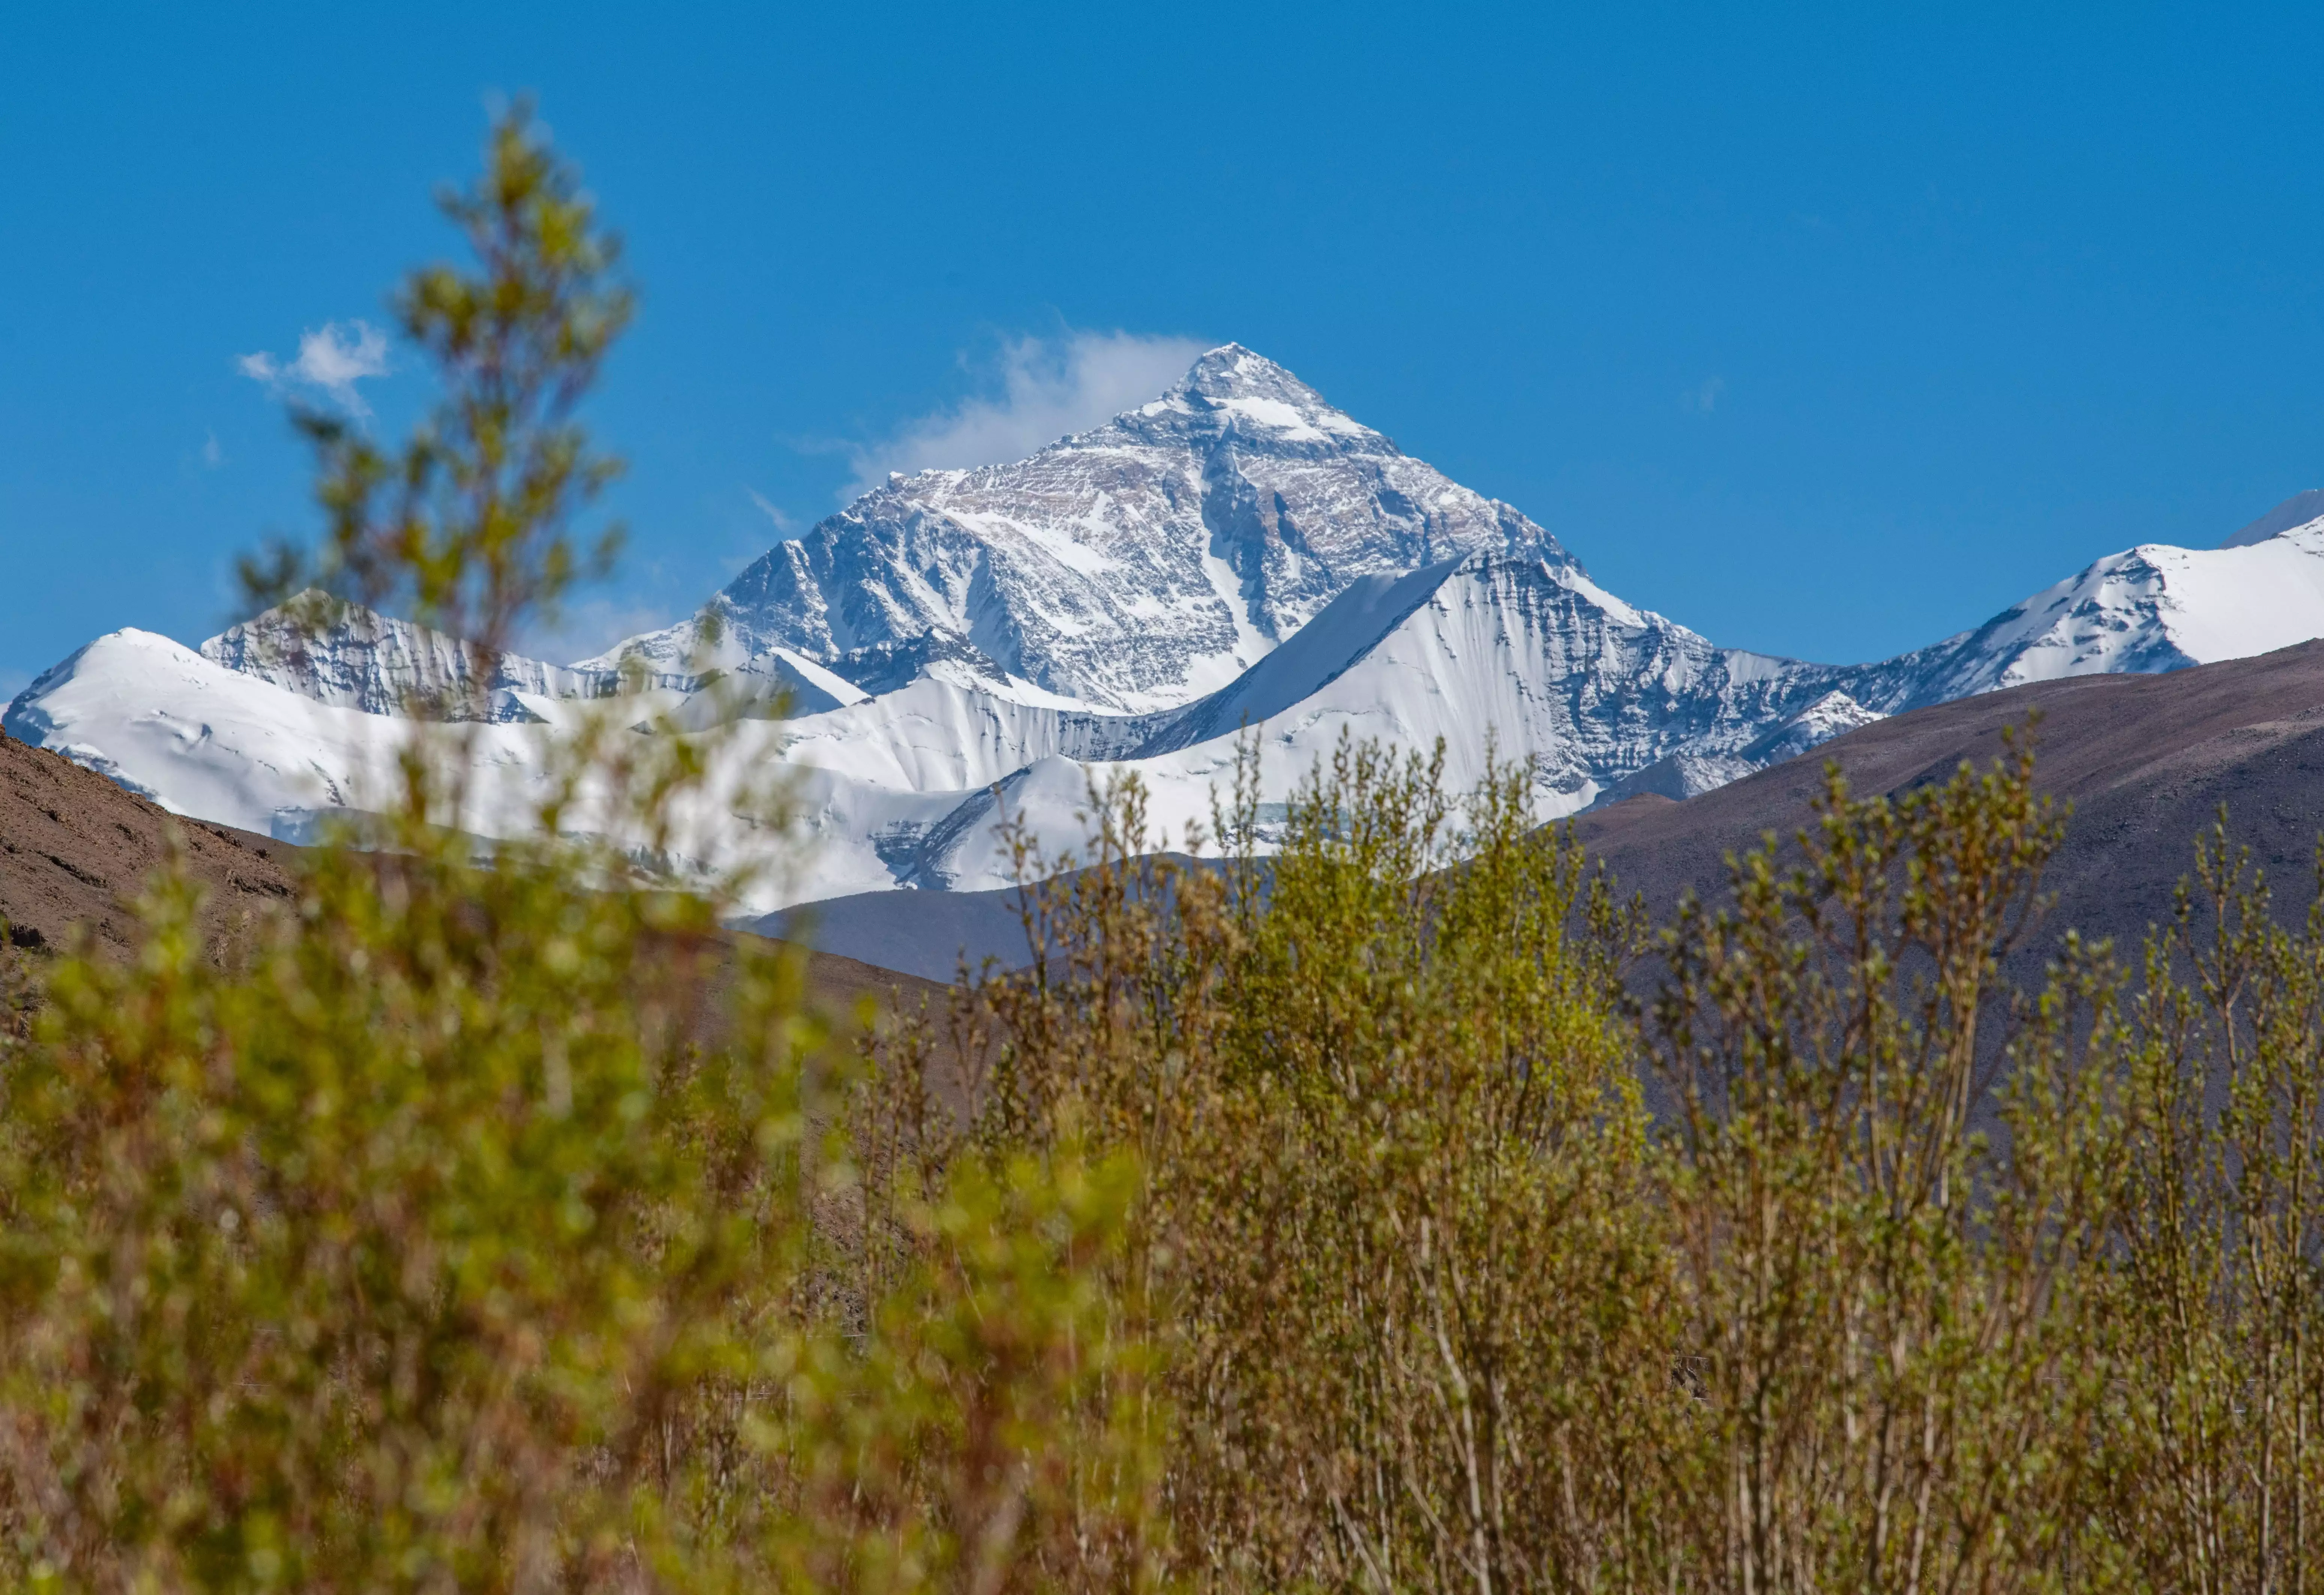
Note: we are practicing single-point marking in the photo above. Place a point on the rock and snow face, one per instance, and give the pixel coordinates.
(2145, 610)
(354, 658)
(1235, 559)
(1702, 766)
(1134, 567)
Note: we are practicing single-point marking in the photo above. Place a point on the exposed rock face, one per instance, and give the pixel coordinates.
(354, 658)
(1137, 566)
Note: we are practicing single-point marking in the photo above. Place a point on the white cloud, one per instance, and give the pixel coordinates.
(1047, 387)
(212, 455)
(783, 523)
(331, 360)
(1704, 397)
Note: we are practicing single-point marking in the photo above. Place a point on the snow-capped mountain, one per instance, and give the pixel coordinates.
(203, 739)
(1235, 559)
(2144, 611)
(1137, 566)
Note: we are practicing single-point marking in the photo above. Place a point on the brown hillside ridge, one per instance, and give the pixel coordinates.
(75, 849)
(2146, 760)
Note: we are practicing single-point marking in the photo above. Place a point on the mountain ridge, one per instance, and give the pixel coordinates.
(1235, 560)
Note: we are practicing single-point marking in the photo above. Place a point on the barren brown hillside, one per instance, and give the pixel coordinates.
(2146, 761)
(75, 849)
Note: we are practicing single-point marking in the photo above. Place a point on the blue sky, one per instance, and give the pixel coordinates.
(1822, 331)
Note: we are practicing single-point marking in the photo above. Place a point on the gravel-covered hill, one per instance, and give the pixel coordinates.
(2146, 761)
(73, 847)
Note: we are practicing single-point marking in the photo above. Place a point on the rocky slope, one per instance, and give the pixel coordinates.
(74, 847)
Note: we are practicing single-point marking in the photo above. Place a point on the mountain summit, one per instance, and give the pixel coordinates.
(1137, 566)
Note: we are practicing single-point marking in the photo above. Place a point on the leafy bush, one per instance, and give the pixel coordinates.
(489, 1223)
(1908, 1279)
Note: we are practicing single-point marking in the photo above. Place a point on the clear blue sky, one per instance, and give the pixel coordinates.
(1826, 332)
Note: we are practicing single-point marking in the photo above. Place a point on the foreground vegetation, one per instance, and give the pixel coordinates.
(1394, 1210)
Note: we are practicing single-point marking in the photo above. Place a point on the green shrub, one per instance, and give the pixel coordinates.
(488, 1221)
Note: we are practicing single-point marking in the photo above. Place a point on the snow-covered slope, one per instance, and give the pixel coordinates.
(1235, 559)
(220, 744)
(1498, 656)
(2146, 609)
(205, 739)
(1137, 566)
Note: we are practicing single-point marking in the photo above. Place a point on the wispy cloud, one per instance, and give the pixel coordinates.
(767, 507)
(1038, 389)
(1704, 397)
(331, 360)
(213, 455)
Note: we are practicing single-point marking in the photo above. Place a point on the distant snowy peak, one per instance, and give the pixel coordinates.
(2302, 509)
(1252, 394)
(2144, 611)
(1137, 565)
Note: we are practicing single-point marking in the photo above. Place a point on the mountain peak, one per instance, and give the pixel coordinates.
(1257, 400)
(1231, 372)
(2297, 509)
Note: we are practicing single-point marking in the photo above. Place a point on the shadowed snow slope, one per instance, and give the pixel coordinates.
(2297, 510)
